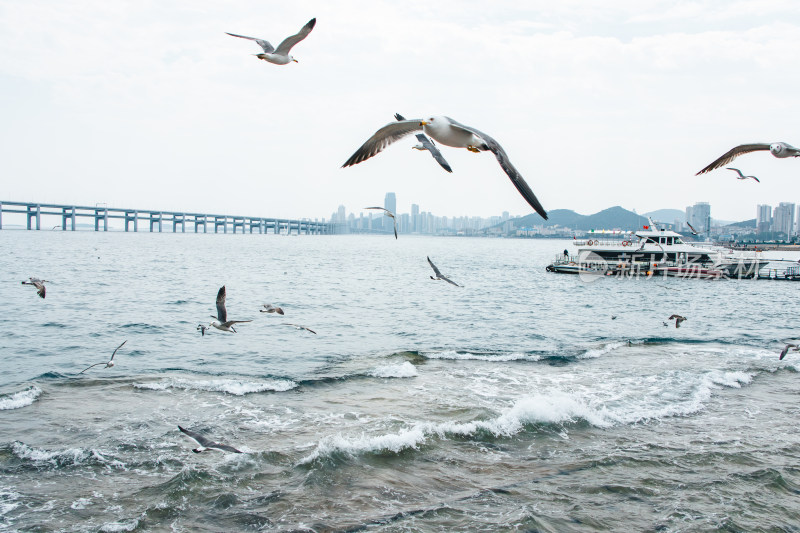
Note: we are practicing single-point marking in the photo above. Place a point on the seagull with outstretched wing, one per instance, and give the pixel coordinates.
(779, 150)
(206, 443)
(110, 362)
(388, 214)
(426, 144)
(450, 133)
(742, 176)
(222, 323)
(280, 55)
(439, 274)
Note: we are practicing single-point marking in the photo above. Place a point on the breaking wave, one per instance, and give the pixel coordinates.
(236, 387)
(20, 399)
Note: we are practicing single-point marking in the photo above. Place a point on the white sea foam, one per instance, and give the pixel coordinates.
(402, 370)
(20, 399)
(128, 525)
(553, 408)
(452, 354)
(594, 353)
(8, 501)
(237, 387)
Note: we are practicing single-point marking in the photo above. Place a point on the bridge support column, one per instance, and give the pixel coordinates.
(34, 211)
(100, 214)
(178, 219)
(132, 216)
(155, 218)
(67, 213)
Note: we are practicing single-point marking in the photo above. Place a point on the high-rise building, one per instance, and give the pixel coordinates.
(414, 218)
(699, 216)
(390, 202)
(783, 219)
(763, 218)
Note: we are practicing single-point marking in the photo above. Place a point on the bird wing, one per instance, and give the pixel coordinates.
(229, 323)
(741, 176)
(118, 347)
(398, 116)
(784, 352)
(508, 168)
(88, 367)
(298, 326)
(673, 317)
(435, 270)
(261, 42)
(395, 226)
(289, 42)
(383, 138)
(755, 178)
(222, 314)
(437, 155)
(448, 280)
(201, 440)
(732, 154)
(224, 447)
(691, 228)
(40, 289)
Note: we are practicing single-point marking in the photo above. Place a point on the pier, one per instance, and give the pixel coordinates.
(157, 220)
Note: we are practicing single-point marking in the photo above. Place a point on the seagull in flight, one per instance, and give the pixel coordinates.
(742, 176)
(678, 319)
(388, 214)
(298, 326)
(207, 444)
(39, 284)
(110, 362)
(439, 274)
(222, 323)
(780, 150)
(786, 349)
(280, 55)
(446, 131)
(202, 329)
(427, 144)
(694, 231)
(269, 308)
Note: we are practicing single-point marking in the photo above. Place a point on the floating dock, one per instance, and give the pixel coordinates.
(156, 219)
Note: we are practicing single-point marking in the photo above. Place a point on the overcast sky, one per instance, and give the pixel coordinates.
(149, 104)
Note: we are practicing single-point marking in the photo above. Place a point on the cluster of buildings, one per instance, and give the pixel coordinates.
(420, 222)
(779, 220)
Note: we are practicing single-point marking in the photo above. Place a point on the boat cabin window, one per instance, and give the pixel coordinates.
(678, 241)
(662, 240)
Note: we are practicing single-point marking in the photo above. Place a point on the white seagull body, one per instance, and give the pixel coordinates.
(110, 362)
(269, 308)
(298, 326)
(280, 55)
(427, 144)
(222, 323)
(450, 133)
(779, 150)
(207, 444)
(388, 214)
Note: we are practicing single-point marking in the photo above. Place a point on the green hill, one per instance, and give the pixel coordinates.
(612, 218)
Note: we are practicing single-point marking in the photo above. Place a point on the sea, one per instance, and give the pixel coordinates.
(521, 401)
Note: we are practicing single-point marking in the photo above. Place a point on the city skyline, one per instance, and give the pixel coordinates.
(595, 106)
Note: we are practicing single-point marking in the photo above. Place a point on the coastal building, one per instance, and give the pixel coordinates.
(763, 218)
(699, 216)
(783, 219)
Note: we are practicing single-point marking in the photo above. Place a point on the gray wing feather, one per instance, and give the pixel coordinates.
(435, 270)
(87, 368)
(732, 154)
(201, 440)
(450, 281)
(508, 168)
(118, 347)
(437, 155)
(383, 138)
(223, 447)
(261, 42)
(289, 42)
(222, 314)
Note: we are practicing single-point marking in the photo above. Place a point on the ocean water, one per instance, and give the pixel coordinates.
(515, 403)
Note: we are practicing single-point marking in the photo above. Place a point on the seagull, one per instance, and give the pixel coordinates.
(222, 323)
(678, 319)
(39, 284)
(110, 361)
(269, 308)
(786, 348)
(280, 56)
(207, 444)
(694, 231)
(450, 133)
(388, 214)
(427, 144)
(613, 317)
(202, 329)
(439, 274)
(780, 150)
(742, 176)
(298, 326)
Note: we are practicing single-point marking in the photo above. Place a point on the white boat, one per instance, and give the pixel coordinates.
(657, 250)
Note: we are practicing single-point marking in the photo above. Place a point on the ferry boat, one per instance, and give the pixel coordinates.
(653, 250)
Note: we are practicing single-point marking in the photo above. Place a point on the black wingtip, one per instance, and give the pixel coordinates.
(312, 23)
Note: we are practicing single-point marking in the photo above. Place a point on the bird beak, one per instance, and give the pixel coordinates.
(296, 61)
(423, 123)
